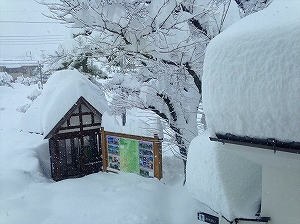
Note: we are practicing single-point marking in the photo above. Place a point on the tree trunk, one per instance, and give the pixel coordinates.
(183, 152)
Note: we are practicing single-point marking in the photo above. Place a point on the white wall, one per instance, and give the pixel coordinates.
(281, 195)
(280, 182)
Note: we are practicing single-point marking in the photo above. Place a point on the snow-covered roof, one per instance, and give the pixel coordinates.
(251, 80)
(60, 93)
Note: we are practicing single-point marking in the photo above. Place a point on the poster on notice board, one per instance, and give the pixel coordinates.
(130, 155)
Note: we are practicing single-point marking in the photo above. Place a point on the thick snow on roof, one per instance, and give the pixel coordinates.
(251, 80)
(60, 93)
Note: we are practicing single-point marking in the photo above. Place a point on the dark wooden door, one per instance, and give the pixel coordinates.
(92, 152)
(75, 154)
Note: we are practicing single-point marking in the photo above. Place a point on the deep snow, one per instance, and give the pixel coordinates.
(28, 195)
(251, 79)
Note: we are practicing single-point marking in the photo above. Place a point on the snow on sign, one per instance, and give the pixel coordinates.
(208, 218)
(133, 154)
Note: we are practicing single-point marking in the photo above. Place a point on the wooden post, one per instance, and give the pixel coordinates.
(104, 150)
(157, 157)
(58, 175)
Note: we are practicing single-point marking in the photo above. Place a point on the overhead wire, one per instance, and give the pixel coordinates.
(32, 35)
(11, 21)
(31, 39)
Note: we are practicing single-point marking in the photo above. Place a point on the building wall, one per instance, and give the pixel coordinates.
(281, 195)
(280, 182)
(25, 71)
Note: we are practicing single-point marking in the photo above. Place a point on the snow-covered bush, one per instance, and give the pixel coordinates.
(23, 108)
(34, 94)
(27, 81)
(5, 79)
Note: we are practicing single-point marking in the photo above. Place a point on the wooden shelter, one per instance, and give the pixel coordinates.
(75, 142)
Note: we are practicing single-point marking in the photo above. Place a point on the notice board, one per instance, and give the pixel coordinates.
(131, 153)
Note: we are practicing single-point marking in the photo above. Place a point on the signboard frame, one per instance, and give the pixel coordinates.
(205, 217)
(149, 159)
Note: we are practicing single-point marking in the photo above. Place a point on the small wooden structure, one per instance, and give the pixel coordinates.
(79, 146)
(75, 142)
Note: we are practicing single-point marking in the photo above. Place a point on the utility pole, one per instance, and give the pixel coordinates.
(41, 75)
(43, 54)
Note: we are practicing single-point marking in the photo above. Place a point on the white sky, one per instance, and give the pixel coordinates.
(25, 31)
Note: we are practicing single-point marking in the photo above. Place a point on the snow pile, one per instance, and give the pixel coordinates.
(138, 122)
(251, 80)
(60, 93)
(223, 181)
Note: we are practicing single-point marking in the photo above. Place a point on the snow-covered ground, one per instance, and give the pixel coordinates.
(29, 195)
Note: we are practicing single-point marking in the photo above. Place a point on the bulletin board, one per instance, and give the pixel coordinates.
(133, 154)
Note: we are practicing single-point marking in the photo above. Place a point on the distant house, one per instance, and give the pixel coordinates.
(18, 67)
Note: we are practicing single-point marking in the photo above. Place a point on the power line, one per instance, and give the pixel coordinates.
(34, 36)
(13, 0)
(30, 41)
(23, 11)
(40, 43)
(27, 22)
(31, 38)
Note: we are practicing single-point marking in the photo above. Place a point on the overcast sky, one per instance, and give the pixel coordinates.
(25, 31)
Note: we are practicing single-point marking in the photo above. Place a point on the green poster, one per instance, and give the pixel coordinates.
(129, 155)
